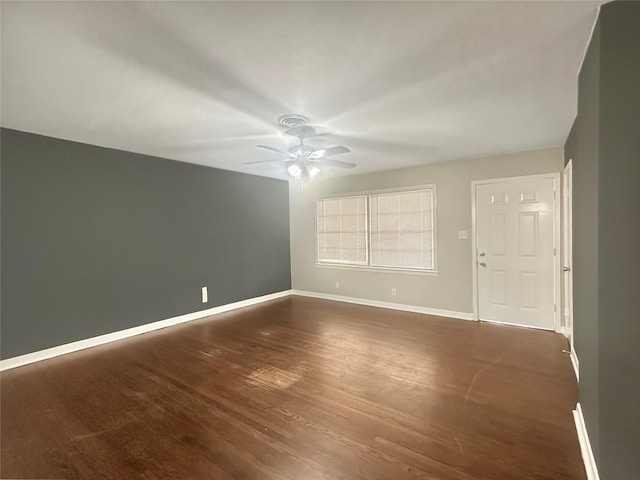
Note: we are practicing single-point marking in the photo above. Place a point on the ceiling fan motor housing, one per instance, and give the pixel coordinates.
(301, 150)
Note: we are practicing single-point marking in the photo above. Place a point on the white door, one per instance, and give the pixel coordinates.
(567, 253)
(515, 252)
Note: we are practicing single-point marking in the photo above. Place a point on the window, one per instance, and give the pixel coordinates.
(342, 230)
(396, 232)
(402, 229)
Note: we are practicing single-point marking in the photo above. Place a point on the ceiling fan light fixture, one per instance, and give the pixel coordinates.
(313, 171)
(294, 170)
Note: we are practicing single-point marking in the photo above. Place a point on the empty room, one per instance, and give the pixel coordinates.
(291, 240)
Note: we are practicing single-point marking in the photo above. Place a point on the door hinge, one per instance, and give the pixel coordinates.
(555, 308)
(554, 194)
(554, 252)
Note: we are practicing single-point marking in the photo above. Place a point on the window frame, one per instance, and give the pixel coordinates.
(383, 269)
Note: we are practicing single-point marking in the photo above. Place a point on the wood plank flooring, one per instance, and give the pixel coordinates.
(302, 389)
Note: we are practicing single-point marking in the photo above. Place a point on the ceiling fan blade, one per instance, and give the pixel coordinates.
(289, 155)
(325, 152)
(375, 145)
(336, 163)
(270, 161)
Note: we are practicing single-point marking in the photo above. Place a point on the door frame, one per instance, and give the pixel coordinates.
(557, 267)
(567, 249)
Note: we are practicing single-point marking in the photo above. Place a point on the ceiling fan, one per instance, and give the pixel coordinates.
(305, 161)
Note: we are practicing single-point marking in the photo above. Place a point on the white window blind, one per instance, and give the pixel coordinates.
(342, 230)
(402, 230)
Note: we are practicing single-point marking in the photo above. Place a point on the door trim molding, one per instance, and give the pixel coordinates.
(556, 240)
(567, 250)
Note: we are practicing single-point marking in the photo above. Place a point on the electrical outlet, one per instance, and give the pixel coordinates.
(205, 295)
(463, 234)
(337, 284)
(394, 292)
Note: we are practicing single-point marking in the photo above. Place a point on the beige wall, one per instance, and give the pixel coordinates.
(451, 289)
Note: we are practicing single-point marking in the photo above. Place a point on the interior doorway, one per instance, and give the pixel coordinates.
(567, 257)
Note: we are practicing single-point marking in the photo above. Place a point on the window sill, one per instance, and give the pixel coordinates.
(364, 268)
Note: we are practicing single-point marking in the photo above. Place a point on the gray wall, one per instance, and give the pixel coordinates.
(452, 288)
(96, 240)
(582, 147)
(605, 148)
(619, 240)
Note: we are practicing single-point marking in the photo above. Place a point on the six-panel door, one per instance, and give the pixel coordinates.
(515, 252)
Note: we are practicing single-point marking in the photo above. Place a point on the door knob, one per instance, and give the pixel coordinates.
(482, 264)
(481, 254)
(566, 269)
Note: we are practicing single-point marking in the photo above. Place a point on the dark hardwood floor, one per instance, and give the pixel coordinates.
(301, 389)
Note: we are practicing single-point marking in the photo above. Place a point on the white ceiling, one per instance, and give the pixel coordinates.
(401, 84)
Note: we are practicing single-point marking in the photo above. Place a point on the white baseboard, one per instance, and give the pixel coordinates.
(585, 446)
(393, 306)
(130, 332)
(519, 325)
(576, 364)
(40, 355)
